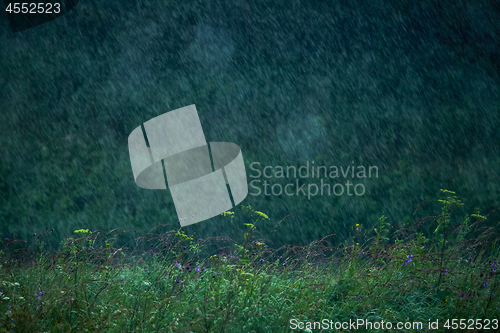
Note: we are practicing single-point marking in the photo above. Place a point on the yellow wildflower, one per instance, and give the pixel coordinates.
(262, 215)
(82, 231)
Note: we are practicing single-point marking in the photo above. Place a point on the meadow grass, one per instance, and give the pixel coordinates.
(170, 282)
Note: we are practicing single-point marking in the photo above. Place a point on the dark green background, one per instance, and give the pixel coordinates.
(409, 86)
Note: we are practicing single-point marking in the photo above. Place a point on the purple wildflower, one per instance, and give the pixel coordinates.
(408, 260)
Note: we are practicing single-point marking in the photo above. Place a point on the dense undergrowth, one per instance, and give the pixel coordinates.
(176, 285)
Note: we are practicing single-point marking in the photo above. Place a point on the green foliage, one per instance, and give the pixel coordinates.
(382, 228)
(249, 287)
(381, 231)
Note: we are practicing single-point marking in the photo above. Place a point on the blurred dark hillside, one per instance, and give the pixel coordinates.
(411, 87)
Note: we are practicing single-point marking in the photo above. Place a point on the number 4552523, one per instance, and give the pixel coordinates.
(34, 8)
(471, 324)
